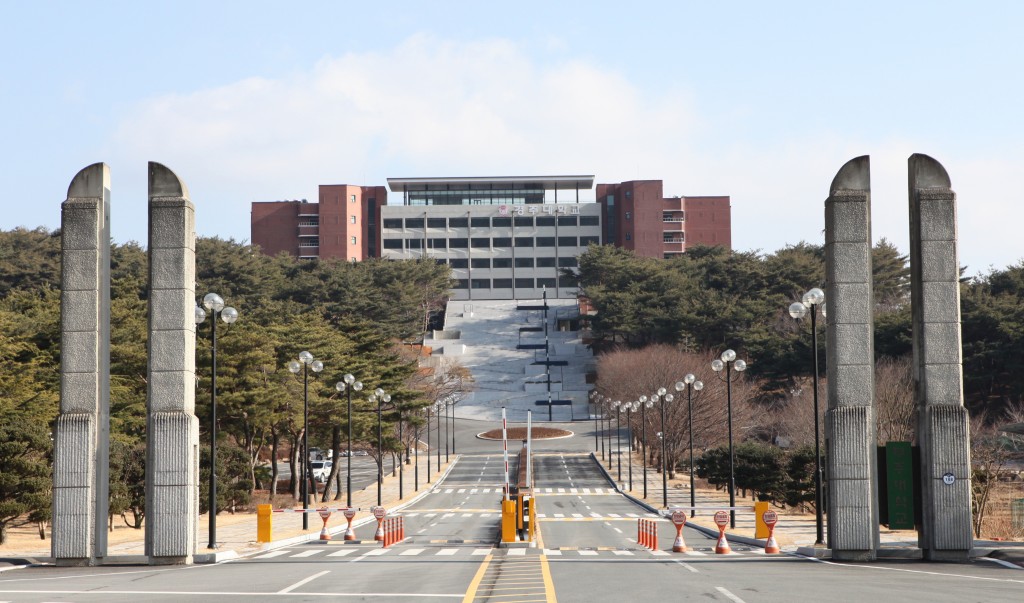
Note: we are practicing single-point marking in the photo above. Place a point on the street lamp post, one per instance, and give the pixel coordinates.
(691, 384)
(215, 304)
(445, 403)
(811, 300)
(728, 362)
(595, 399)
(426, 411)
(347, 384)
(632, 406)
(437, 413)
(452, 402)
(401, 453)
(305, 362)
(380, 397)
(618, 436)
(644, 405)
(665, 397)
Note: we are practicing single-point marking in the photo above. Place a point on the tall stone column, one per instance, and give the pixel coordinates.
(942, 422)
(850, 420)
(81, 483)
(172, 449)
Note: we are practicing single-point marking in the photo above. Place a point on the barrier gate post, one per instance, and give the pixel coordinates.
(679, 520)
(263, 523)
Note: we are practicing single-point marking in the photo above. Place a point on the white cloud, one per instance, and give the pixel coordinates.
(432, 107)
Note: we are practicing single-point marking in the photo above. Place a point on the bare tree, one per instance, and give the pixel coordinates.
(627, 374)
(794, 414)
(894, 400)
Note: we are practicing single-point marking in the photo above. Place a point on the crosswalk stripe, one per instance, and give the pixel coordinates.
(377, 552)
(587, 553)
(517, 552)
(696, 553)
(411, 552)
(481, 551)
(577, 514)
(632, 515)
(447, 552)
(626, 553)
(461, 490)
(559, 515)
(467, 515)
(309, 553)
(410, 514)
(659, 553)
(273, 554)
(449, 490)
(551, 552)
(447, 515)
(614, 515)
(342, 553)
(573, 490)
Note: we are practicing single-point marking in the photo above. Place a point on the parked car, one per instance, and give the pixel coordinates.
(321, 470)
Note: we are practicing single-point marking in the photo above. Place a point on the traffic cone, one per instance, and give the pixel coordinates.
(350, 534)
(324, 534)
(722, 547)
(679, 546)
(379, 534)
(771, 547)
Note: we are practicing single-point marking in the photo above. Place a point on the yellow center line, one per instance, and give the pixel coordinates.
(549, 585)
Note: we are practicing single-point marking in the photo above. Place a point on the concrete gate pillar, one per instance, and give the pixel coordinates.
(172, 447)
(850, 419)
(942, 422)
(82, 435)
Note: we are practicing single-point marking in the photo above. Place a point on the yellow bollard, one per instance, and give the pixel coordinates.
(761, 529)
(263, 529)
(508, 520)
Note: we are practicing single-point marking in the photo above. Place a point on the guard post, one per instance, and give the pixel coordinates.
(263, 523)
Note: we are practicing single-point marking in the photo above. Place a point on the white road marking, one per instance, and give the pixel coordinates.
(447, 515)
(587, 553)
(461, 491)
(447, 552)
(273, 554)
(688, 566)
(728, 594)
(301, 582)
(481, 551)
(376, 552)
(309, 553)
(617, 530)
(411, 552)
(696, 554)
(342, 553)
(551, 552)
(626, 553)
(559, 515)
(516, 552)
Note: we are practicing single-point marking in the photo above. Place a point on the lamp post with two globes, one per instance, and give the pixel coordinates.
(215, 305)
(644, 405)
(347, 384)
(380, 397)
(305, 363)
(691, 384)
(811, 300)
(663, 395)
(729, 362)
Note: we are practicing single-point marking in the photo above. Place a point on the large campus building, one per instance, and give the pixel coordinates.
(504, 238)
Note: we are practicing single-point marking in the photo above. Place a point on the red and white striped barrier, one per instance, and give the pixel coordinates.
(647, 533)
(393, 529)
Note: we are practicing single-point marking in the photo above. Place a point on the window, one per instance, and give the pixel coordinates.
(666, 216)
(590, 221)
(524, 263)
(524, 241)
(353, 240)
(437, 223)
(668, 237)
(501, 222)
(567, 220)
(392, 222)
(480, 283)
(585, 241)
(439, 243)
(545, 241)
(629, 194)
(353, 260)
(440, 261)
(629, 215)
(461, 263)
(501, 262)
(566, 280)
(353, 218)
(502, 242)
(524, 283)
(309, 242)
(548, 262)
(458, 222)
(524, 221)
(546, 282)
(545, 221)
(629, 237)
(461, 283)
(569, 262)
(392, 243)
(480, 242)
(480, 222)
(480, 263)
(568, 241)
(502, 283)
(414, 243)
(414, 222)
(352, 199)
(458, 243)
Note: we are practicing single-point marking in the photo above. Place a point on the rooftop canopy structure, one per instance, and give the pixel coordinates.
(508, 190)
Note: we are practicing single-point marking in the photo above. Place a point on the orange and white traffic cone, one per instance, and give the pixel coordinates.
(679, 546)
(771, 547)
(722, 547)
(379, 534)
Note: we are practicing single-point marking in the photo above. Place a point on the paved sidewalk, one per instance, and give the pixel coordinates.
(236, 534)
(795, 532)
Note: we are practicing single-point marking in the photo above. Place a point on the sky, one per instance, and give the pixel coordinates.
(763, 102)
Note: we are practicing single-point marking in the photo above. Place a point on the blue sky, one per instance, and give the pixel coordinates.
(257, 101)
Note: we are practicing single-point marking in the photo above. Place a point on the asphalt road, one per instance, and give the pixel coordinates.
(589, 553)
